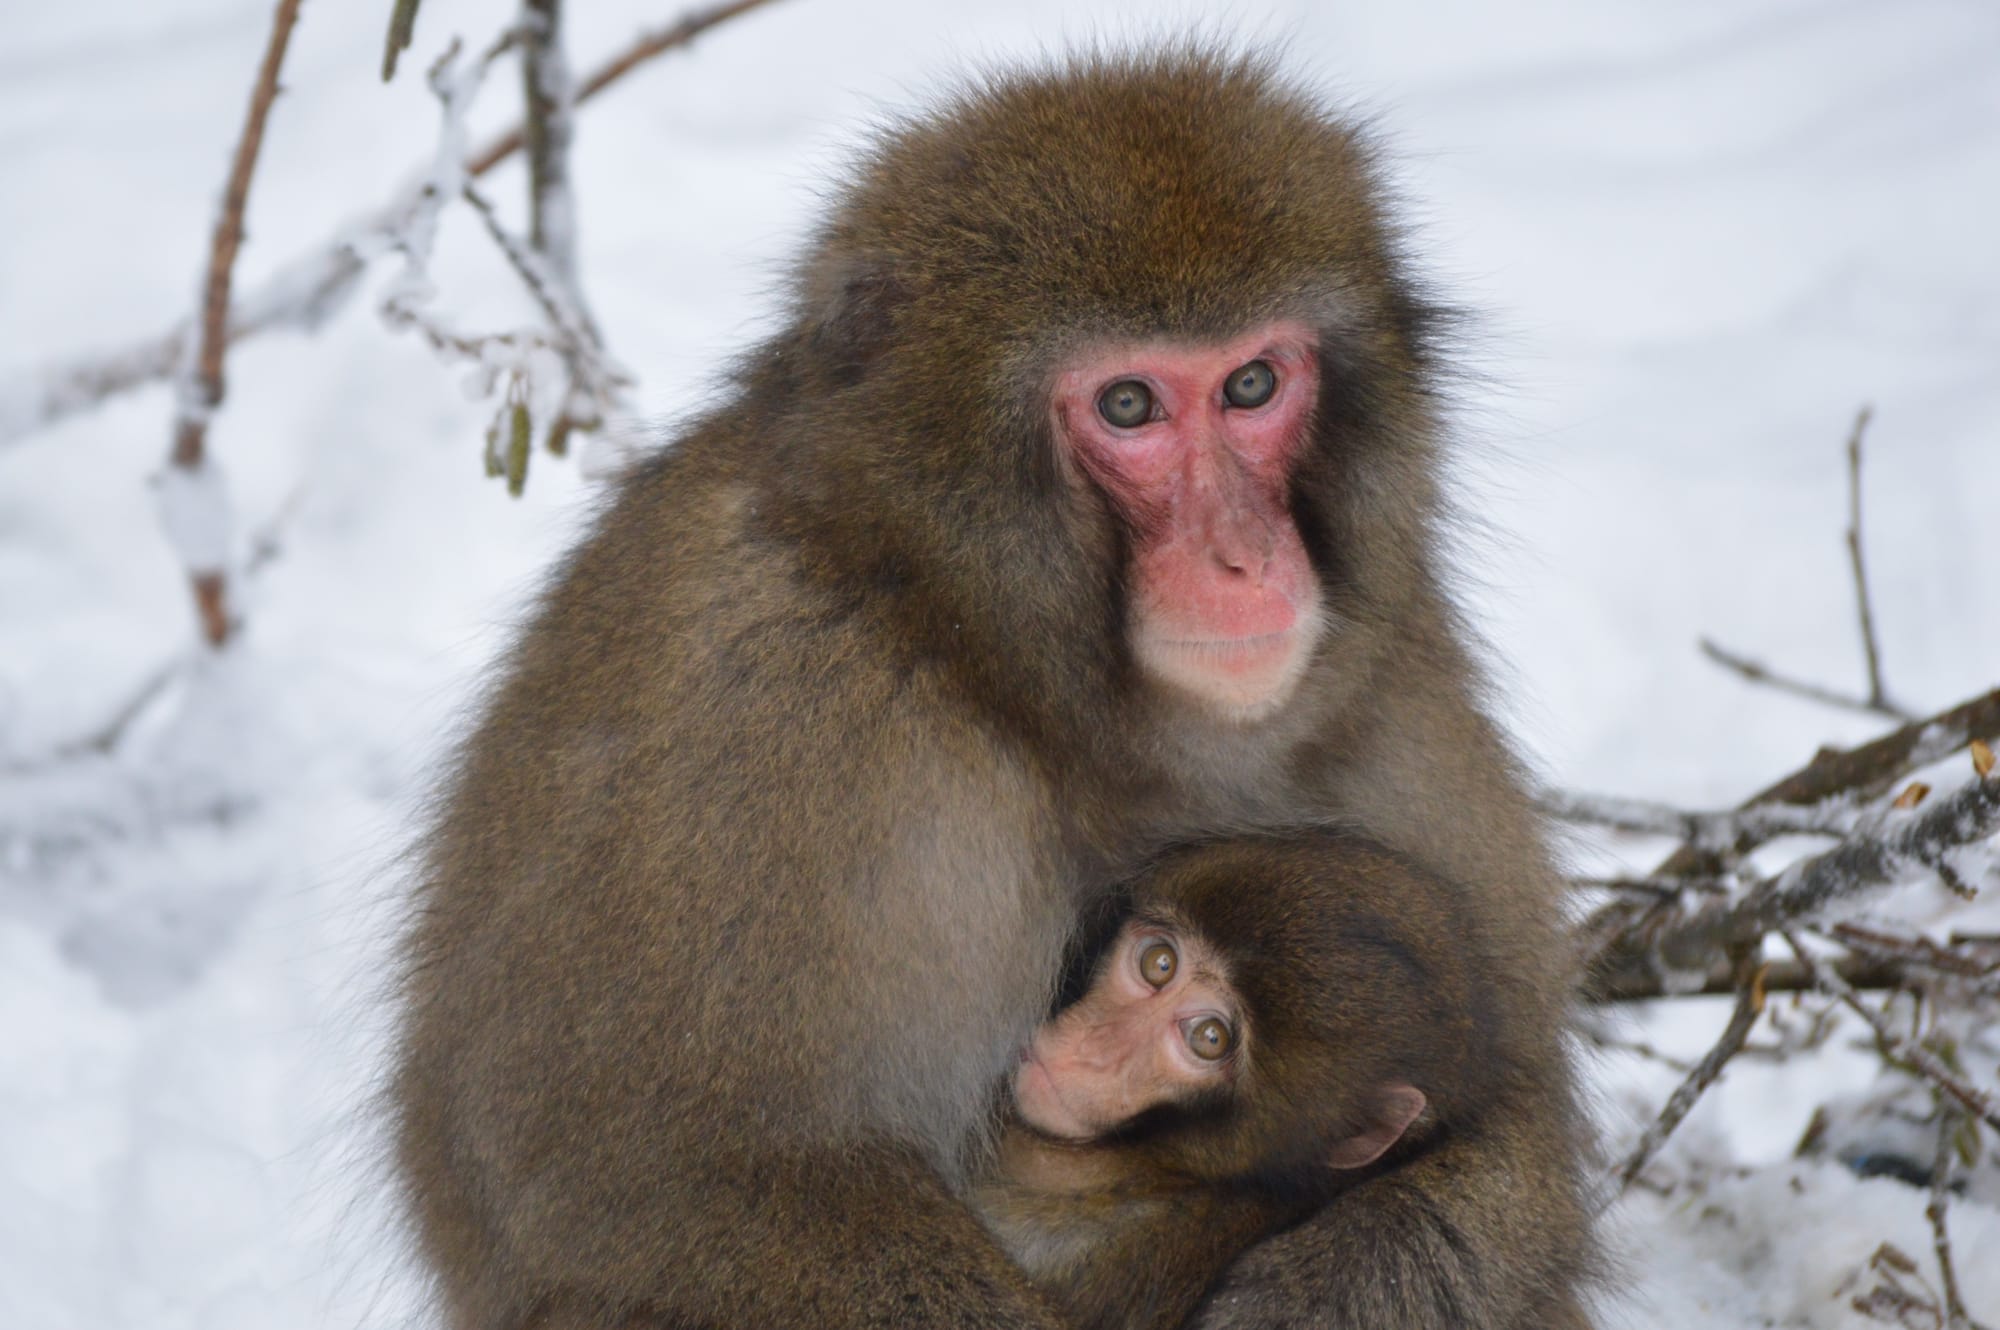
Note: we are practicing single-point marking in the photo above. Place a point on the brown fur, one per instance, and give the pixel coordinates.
(763, 861)
(1353, 971)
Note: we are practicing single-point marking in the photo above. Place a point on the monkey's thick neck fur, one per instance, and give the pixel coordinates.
(766, 854)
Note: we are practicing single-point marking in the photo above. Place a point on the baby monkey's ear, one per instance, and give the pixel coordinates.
(1395, 1109)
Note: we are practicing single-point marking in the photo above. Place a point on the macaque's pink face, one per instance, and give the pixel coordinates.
(1195, 445)
(1159, 1025)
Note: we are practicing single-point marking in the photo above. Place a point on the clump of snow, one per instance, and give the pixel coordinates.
(195, 513)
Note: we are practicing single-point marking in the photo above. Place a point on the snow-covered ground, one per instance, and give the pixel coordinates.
(1699, 236)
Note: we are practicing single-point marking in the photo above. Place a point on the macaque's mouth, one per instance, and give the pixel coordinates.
(1233, 657)
(1257, 643)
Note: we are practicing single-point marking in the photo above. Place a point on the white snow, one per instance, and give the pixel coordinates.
(194, 514)
(1697, 236)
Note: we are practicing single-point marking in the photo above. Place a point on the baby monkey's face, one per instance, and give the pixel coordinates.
(1161, 1024)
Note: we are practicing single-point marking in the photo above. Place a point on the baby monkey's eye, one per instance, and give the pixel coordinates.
(1210, 1038)
(1157, 964)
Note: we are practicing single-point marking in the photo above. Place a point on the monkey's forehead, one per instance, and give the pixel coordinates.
(1183, 189)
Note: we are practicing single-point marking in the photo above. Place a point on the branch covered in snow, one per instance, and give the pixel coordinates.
(1633, 944)
(1862, 773)
(309, 289)
(548, 98)
(1747, 980)
(1810, 889)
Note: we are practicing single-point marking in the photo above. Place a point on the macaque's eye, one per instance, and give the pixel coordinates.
(1127, 403)
(1157, 964)
(1211, 1038)
(1251, 384)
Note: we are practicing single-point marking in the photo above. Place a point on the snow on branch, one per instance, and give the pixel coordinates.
(310, 288)
(1673, 936)
(549, 96)
(557, 373)
(1748, 983)
(1811, 889)
(194, 503)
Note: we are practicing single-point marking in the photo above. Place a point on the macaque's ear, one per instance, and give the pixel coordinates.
(854, 300)
(1395, 1110)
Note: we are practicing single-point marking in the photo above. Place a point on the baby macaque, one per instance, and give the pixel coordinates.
(1276, 1021)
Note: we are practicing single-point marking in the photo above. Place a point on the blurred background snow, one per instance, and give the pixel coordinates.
(1697, 236)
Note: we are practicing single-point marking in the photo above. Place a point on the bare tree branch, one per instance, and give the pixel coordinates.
(1956, 1317)
(1862, 773)
(1748, 982)
(198, 496)
(1908, 1053)
(1860, 973)
(287, 300)
(547, 97)
(646, 46)
(1626, 943)
(1753, 825)
(1864, 608)
(1757, 672)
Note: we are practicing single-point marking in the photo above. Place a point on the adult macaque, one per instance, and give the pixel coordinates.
(1084, 504)
(1273, 1016)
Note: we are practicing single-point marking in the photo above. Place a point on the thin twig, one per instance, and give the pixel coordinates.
(547, 97)
(1955, 960)
(402, 30)
(1861, 973)
(202, 390)
(265, 548)
(88, 381)
(575, 334)
(1757, 672)
(1750, 826)
(1956, 1317)
(1908, 1053)
(647, 46)
(1865, 609)
(1749, 985)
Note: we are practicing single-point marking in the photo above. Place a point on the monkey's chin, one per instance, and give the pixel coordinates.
(1243, 679)
(1041, 1105)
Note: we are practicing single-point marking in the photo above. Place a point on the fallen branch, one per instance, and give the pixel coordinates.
(307, 290)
